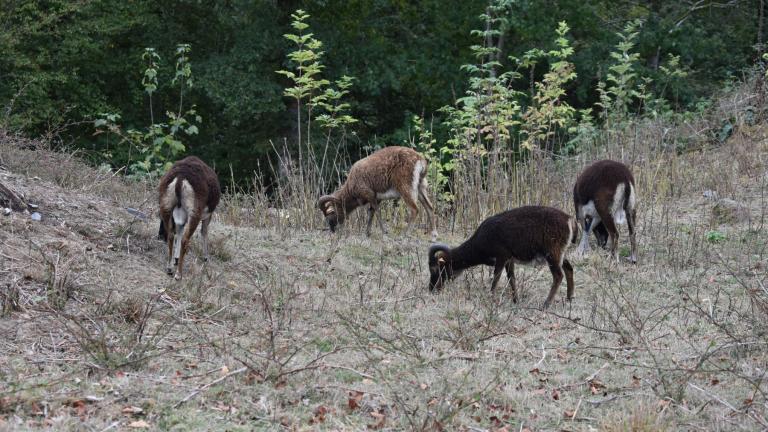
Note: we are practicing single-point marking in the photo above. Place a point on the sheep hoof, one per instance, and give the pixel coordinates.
(169, 270)
(177, 276)
(205, 259)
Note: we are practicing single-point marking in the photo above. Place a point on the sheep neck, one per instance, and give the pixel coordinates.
(466, 255)
(348, 202)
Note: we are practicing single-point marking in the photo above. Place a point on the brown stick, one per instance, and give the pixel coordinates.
(210, 384)
(11, 199)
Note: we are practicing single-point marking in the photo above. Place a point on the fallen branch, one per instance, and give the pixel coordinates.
(364, 375)
(210, 384)
(11, 199)
(715, 397)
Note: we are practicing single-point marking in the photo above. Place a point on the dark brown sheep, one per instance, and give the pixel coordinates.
(189, 193)
(523, 235)
(390, 173)
(604, 197)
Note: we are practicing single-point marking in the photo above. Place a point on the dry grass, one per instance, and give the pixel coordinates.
(289, 327)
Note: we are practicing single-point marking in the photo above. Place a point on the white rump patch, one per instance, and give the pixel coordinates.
(179, 216)
(570, 236)
(187, 197)
(617, 206)
(416, 180)
(620, 217)
(169, 197)
(588, 209)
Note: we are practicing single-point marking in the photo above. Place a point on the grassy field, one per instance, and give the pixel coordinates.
(289, 327)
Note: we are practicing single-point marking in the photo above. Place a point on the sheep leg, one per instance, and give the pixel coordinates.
(189, 229)
(177, 242)
(631, 217)
(381, 219)
(588, 227)
(374, 210)
(413, 212)
(498, 267)
(424, 199)
(166, 217)
(613, 232)
(371, 213)
(204, 236)
(568, 278)
(557, 277)
(601, 234)
(510, 268)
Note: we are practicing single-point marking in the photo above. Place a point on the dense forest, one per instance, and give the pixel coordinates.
(80, 71)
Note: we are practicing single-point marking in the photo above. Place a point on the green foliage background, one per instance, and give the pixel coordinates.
(62, 62)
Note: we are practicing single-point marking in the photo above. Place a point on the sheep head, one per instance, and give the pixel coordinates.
(332, 210)
(440, 268)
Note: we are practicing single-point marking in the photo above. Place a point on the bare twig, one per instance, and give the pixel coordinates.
(210, 384)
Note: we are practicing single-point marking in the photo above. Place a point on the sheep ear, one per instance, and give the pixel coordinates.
(326, 204)
(441, 257)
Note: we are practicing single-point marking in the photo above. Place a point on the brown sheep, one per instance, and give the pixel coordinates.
(604, 196)
(523, 235)
(189, 193)
(390, 173)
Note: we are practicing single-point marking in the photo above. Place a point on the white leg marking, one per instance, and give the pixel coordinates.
(177, 237)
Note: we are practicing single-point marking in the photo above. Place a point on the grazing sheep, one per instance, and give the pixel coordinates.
(523, 235)
(390, 173)
(604, 196)
(189, 193)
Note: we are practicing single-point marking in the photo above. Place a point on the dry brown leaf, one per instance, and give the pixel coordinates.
(139, 424)
(132, 410)
(354, 399)
(596, 386)
(80, 408)
(319, 415)
(380, 419)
